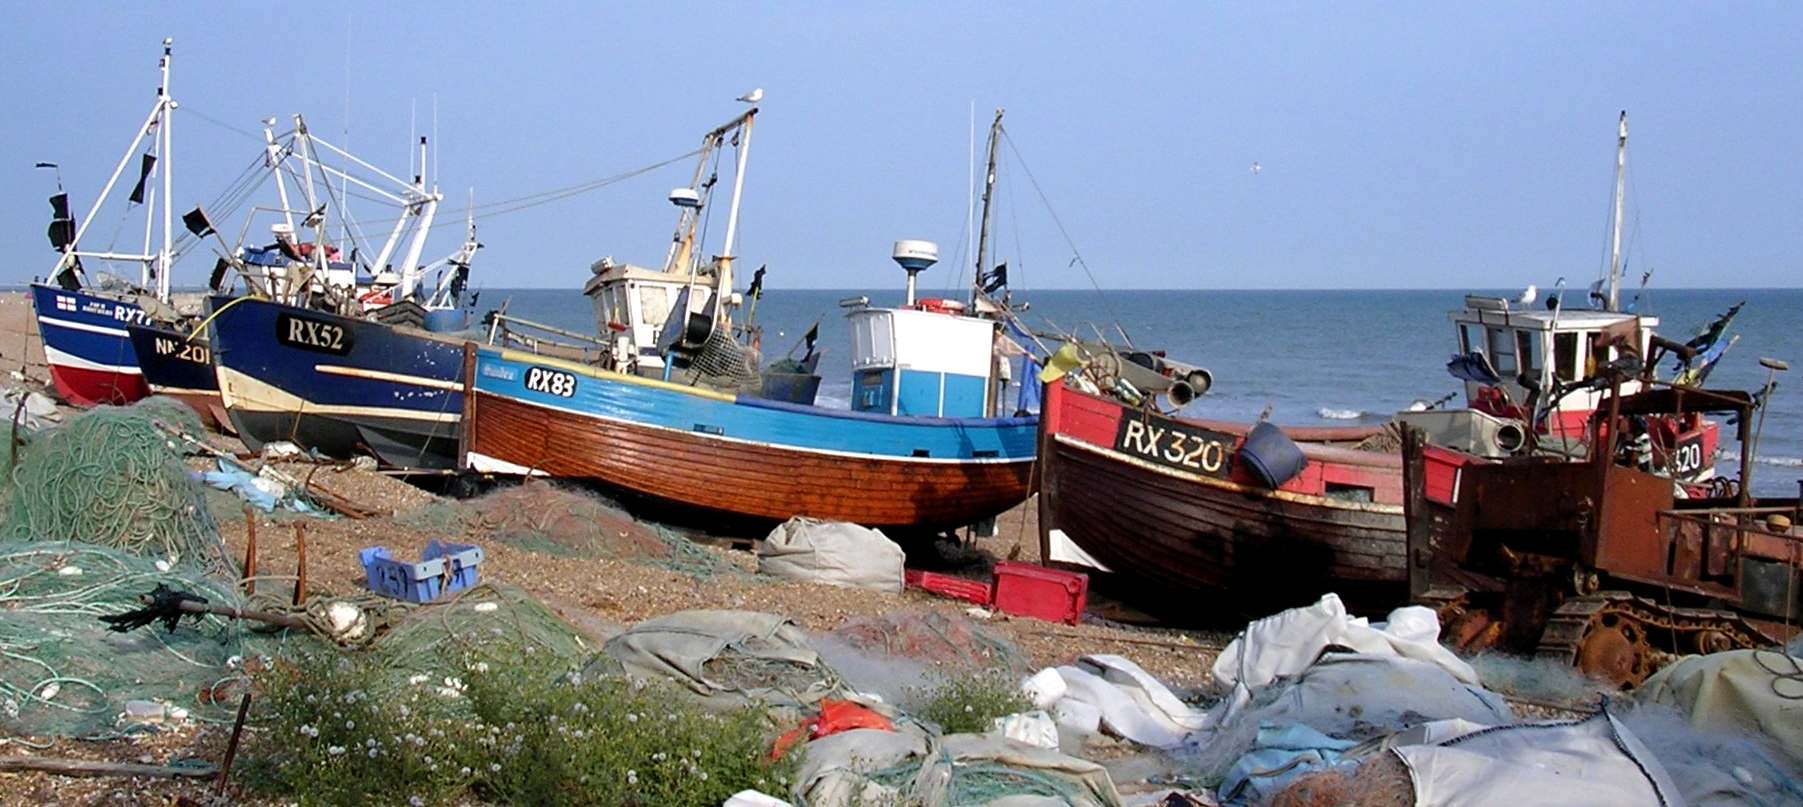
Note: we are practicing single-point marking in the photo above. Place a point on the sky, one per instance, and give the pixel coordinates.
(1400, 145)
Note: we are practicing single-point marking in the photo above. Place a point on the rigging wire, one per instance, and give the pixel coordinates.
(189, 109)
(1077, 257)
(518, 203)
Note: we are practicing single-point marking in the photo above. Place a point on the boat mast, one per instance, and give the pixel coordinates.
(274, 157)
(976, 283)
(166, 256)
(723, 261)
(1621, 168)
(427, 208)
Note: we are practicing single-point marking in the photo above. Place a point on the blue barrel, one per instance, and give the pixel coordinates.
(1271, 455)
(447, 320)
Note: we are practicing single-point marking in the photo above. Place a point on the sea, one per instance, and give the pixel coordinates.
(1309, 357)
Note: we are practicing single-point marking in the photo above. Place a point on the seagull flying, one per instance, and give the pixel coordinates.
(753, 97)
(1256, 168)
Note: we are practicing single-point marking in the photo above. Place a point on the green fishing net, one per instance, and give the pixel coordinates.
(488, 623)
(111, 477)
(64, 673)
(565, 521)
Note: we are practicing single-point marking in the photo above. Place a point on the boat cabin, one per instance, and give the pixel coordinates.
(1550, 347)
(926, 360)
(632, 303)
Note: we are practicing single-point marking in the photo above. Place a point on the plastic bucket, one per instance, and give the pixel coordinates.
(1271, 456)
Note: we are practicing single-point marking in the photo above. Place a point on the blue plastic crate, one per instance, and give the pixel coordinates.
(443, 569)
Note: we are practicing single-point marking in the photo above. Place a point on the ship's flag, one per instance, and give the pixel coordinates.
(756, 292)
(62, 225)
(1709, 346)
(144, 167)
(197, 223)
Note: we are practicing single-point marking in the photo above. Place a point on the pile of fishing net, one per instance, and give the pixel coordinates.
(113, 477)
(563, 521)
(489, 623)
(931, 638)
(63, 672)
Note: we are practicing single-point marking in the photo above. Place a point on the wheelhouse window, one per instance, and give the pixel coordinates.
(1471, 338)
(1565, 355)
(654, 305)
(1502, 351)
(1530, 352)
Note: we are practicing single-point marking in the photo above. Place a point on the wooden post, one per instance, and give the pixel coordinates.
(466, 432)
(300, 574)
(250, 551)
(231, 749)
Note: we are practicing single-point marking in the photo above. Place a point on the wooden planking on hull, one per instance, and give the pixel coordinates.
(1179, 535)
(748, 479)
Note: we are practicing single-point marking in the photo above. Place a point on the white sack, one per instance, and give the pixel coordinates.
(1033, 728)
(1287, 643)
(832, 552)
(1591, 762)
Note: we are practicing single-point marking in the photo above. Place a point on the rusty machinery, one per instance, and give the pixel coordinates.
(1596, 563)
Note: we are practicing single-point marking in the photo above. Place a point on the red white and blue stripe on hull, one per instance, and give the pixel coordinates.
(87, 347)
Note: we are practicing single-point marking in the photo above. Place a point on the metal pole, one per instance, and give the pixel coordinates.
(724, 281)
(166, 256)
(995, 134)
(1773, 368)
(1621, 169)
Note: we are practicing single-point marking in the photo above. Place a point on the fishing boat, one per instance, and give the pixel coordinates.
(920, 449)
(1182, 505)
(304, 355)
(83, 319)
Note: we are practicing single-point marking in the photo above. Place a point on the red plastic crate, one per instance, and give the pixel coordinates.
(946, 585)
(1023, 589)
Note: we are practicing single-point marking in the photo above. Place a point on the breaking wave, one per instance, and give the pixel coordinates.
(1326, 413)
(1782, 462)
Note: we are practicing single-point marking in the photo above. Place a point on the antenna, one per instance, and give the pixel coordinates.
(914, 257)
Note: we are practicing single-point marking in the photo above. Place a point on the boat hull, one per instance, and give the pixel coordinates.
(1178, 533)
(181, 368)
(751, 459)
(340, 386)
(87, 347)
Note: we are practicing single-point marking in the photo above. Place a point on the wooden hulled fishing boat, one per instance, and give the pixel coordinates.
(1164, 502)
(84, 327)
(697, 425)
(180, 365)
(343, 386)
(1180, 505)
(345, 368)
(739, 454)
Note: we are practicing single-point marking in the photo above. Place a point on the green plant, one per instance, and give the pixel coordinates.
(968, 702)
(336, 730)
(510, 732)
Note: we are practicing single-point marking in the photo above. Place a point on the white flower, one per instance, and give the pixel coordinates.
(481, 666)
(416, 802)
(632, 777)
(494, 766)
(465, 771)
(335, 750)
(631, 717)
(415, 680)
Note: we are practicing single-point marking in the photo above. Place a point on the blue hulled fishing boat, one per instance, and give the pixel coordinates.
(921, 447)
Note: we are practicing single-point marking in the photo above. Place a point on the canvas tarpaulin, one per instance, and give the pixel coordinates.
(1583, 763)
(728, 658)
(832, 552)
(961, 770)
(1739, 690)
